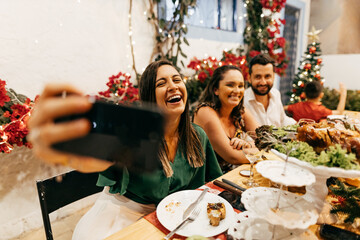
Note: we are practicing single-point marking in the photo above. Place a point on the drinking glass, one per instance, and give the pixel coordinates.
(252, 155)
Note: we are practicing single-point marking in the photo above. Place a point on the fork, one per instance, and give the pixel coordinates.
(190, 218)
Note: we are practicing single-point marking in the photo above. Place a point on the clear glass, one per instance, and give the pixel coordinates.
(252, 154)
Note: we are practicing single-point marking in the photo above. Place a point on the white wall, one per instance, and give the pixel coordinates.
(78, 41)
(341, 68)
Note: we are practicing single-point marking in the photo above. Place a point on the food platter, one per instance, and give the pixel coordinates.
(293, 176)
(294, 211)
(170, 211)
(318, 191)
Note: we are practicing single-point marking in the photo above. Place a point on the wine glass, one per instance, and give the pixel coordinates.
(252, 155)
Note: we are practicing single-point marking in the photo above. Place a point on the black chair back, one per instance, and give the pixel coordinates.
(61, 190)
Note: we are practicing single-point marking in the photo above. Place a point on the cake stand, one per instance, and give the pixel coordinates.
(318, 191)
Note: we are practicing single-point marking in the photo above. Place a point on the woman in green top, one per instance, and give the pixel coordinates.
(186, 154)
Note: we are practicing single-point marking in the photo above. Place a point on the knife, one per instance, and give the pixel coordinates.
(228, 187)
(193, 205)
(233, 184)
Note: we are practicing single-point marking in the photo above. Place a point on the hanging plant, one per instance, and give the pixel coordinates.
(170, 35)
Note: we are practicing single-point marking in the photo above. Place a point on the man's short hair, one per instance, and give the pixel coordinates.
(262, 59)
(313, 89)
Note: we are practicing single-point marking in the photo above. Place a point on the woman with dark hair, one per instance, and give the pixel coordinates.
(186, 154)
(222, 115)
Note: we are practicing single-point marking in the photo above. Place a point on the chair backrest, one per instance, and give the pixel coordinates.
(61, 190)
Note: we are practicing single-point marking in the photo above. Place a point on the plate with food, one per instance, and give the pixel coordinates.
(216, 214)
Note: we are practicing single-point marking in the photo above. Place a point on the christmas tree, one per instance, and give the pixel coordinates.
(309, 69)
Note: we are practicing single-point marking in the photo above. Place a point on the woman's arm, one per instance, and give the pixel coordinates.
(207, 118)
(250, 122)
(44, 132)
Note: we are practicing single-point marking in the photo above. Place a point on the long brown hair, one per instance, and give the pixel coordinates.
(210, 98)
(189, 140)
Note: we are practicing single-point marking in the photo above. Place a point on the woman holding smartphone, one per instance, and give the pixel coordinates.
(222, 115)
(186, 154)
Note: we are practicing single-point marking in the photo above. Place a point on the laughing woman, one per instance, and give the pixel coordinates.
(222, 115)
(186, 154)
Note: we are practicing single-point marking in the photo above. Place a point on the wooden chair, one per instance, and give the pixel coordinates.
(61, 190)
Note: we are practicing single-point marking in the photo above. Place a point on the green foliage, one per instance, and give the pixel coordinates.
(331, 99)
(348, 201)
(171, 34)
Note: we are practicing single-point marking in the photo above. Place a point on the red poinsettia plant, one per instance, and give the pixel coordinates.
(14, 113)
(120, 89)
(204, 69)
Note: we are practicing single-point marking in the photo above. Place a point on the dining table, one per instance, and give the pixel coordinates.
(145, 229)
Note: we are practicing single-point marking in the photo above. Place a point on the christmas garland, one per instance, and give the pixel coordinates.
(262, 31)
(15, 110)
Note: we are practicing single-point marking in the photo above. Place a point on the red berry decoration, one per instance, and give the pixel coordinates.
(302, 85)
(312, 50)
(307, 66)
(317, 76)
(319, 61)
(294, 90)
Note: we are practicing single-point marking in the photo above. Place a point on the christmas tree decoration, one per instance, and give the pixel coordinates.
(120, 89)
(348, 201)
(308, 70)
(262, 31)
(15, 110)
(313, 36)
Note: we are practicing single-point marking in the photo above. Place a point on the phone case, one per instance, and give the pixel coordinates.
(126, 134)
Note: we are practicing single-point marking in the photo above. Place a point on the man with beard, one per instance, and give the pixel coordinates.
(263, 101)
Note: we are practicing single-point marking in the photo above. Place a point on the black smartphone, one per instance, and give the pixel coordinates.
(129, 135)
(329, 232)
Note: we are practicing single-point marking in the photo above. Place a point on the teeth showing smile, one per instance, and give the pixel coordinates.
(174, 98)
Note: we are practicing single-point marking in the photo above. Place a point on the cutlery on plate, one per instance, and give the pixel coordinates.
(190, 218)
(228, 187)
(233, 184)
(193, 205)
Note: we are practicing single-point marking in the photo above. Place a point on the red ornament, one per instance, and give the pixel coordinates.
(319, 61)
(302, 96)
(294, 90)
(312, 50)
(317, 76)
(307, 66)
(302, 85)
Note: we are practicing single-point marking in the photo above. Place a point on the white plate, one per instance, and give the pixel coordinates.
(170, 211)
(250, 226)
(293, 176)
(295, 212)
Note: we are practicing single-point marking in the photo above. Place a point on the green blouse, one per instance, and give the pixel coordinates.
(153, 187)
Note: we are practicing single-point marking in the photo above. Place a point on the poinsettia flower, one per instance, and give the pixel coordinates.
(202, 76)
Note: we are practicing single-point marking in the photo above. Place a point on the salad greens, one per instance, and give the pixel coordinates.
(334, 156)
